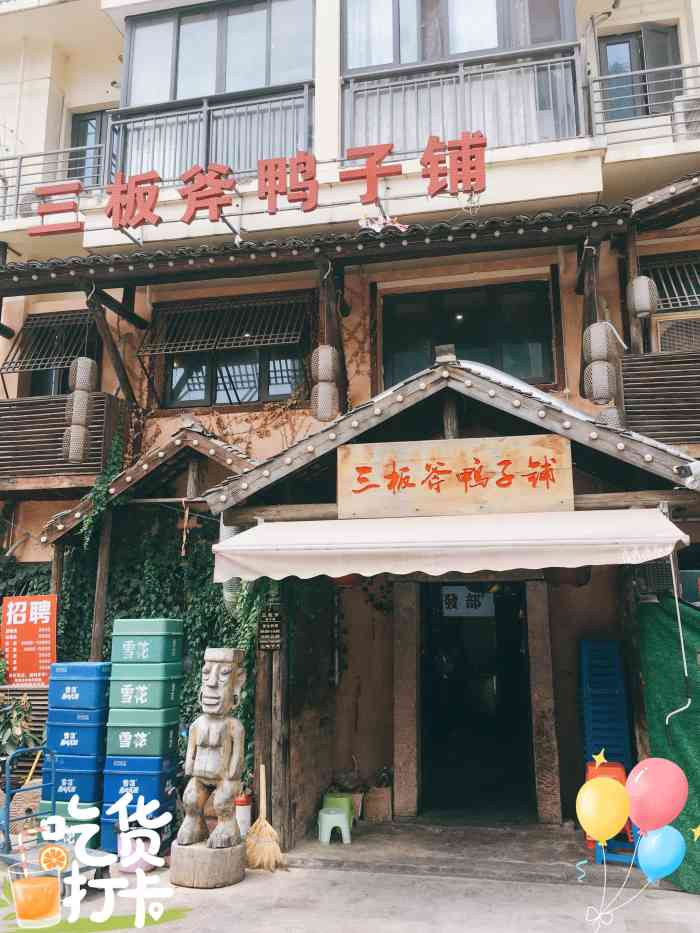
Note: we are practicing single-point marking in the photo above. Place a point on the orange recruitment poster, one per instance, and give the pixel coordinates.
(29, 638)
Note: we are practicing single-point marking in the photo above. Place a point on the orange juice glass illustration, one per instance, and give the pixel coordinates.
(37, 896)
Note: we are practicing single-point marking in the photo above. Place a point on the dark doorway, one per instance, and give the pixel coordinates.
(476, 720)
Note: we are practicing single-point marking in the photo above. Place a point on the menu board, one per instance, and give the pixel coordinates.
(29, 638)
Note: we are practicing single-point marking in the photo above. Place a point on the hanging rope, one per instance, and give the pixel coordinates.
(686, 705)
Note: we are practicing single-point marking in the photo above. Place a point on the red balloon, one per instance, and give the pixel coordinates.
(658, 791)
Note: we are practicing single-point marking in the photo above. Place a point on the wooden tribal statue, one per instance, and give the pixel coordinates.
(215, 751)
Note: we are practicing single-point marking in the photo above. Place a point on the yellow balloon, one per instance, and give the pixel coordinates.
(603, 808)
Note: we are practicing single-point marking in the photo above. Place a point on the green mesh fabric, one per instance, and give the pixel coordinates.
(664, 690)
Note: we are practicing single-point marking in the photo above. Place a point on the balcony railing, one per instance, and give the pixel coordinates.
(236, 131)
(513, 102)
(20, 175)
(31, 436)
(656, 104)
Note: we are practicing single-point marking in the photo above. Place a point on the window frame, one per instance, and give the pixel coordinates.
(377, 325)
(220, 10)
(264, 397)
(567, 15)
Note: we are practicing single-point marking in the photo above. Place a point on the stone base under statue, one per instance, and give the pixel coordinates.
(197, 866)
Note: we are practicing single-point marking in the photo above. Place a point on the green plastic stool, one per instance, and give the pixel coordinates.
(331, 818)
(343, 802)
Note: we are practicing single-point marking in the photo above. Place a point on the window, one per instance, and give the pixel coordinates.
(638, 74)
(395, 32)
(506, 326)
(232, 351)
(88, 133)
(233, 47)
(43, 350)
(677, 277)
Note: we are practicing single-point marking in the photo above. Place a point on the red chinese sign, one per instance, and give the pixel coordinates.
(456, 166)
(452, 477)
(29, 638)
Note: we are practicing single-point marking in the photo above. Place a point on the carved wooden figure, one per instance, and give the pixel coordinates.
(215, 751)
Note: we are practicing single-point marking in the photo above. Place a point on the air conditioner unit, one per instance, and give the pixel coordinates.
(676, 333)
(686, 117)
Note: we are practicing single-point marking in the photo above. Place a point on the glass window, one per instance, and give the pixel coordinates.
(246, 48)
(151, 62)
(237, 377)
(196, 58)
(509, 327)
(369, 33)
(291, 41)
(473, 25)
(285, 373)
(189, 376)
(408, 30)
(545, 21)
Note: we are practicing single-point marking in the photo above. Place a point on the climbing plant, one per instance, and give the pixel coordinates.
(99, 495)
(149, 578)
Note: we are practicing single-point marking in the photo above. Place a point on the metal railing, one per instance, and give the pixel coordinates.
(21, 174)
(513, 102)
(31, 436)
(650, 105)
(236, 131)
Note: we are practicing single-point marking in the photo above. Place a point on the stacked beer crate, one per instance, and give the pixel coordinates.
(143, 724)
(76, 732)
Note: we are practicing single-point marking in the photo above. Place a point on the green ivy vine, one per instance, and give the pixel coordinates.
(99, 495)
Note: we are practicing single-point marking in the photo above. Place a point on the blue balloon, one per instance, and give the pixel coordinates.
(661, 852)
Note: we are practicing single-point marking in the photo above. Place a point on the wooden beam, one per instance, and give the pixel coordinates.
(58, 552)
(101, 581)
(544, 733)
(633, 322)
(112, 351)
(122, 309)
(6, 331)
(328, 511)
(450, 416)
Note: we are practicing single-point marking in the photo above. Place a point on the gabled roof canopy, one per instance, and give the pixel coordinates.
(471, 380)
(162, 461)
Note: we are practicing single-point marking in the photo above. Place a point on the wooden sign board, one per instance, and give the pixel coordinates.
(29, 638)
(455, 477)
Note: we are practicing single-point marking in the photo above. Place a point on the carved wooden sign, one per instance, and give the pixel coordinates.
(455, 477)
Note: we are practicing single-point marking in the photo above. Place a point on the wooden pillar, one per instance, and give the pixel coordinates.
(279, 753)
(101, 581)
(57, 566)
(544, 732)
(263, 724)
(407, 702)
(112, 351)
(634, 324)
(631, 649)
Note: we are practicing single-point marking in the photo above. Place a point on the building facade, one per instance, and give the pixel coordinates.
(259, 218)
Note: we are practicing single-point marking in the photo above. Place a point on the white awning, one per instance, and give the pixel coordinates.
(465, 544)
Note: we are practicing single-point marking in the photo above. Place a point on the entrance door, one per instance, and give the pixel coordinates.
(476, 719)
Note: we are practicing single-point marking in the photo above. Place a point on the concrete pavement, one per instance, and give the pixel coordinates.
(328, 901)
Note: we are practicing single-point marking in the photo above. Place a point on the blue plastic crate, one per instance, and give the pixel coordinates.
(109, 828)
(76, 732)
(603, 701)
(82, 685)
(76, 774)
(150, 777)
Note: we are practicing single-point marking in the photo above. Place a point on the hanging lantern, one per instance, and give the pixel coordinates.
(78, 408)
(325, 372)
(601, 343)
(75, 443)
(642, 296)
(83, 374)
(600, 382)
(611, 417)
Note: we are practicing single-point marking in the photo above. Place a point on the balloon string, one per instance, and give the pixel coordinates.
(633, 898)
(597, 915)
(627, 876)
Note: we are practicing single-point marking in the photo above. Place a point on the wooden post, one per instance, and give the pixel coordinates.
(635, 325)
(407, 701)
(57, 566)
(279, 755)
(98, 614)
(544, 732)
(112, 351)
(632, 654)
(263, 723)
(450, 416)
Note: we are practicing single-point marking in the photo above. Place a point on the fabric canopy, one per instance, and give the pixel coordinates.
(465, 544)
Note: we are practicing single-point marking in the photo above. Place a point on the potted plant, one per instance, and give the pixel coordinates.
(15, 729)
(378, 808)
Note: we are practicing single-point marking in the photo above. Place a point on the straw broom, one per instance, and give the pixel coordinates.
(261, 841)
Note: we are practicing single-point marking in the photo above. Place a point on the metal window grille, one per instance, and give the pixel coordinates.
(230, 323)
(51, 341)
(677, 278)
